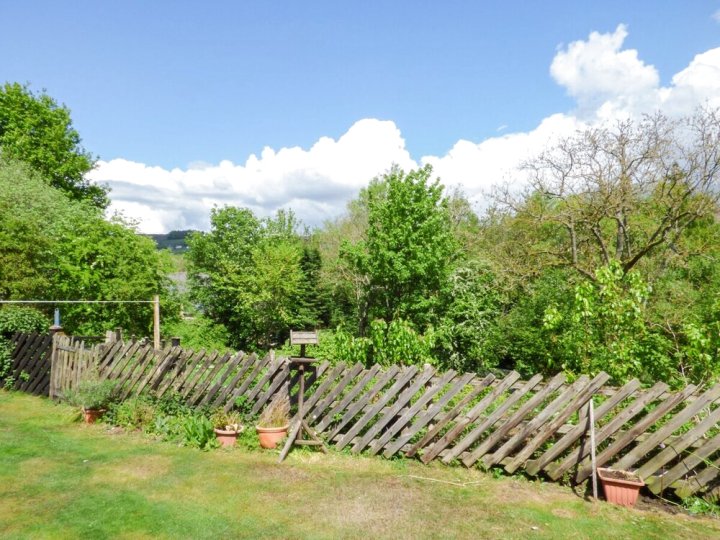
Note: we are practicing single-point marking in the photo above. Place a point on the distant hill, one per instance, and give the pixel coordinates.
(174, 240)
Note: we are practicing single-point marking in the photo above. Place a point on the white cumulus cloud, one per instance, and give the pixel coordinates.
(607, 82)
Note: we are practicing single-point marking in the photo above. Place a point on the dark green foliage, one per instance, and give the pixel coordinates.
(52, 248)
(36, 130)
(255, 277)
(134, 413)
(197, 432)
(26, 320)
(468, 328)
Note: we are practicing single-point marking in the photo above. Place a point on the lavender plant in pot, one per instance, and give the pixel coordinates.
(93, 396)
(273, 423)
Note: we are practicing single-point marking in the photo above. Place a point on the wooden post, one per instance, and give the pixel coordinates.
(156, 321)
(591, 420)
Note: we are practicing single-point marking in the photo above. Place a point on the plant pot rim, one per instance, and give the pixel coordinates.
(602, 473)
(94, 409)
(272, 429)
(219, 431)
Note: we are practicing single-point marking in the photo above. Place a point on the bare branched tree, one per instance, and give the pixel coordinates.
(618, 193)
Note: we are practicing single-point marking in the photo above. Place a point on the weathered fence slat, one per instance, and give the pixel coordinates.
(674, 448)
(606, 431)
(247, 363)
(490, 420)
(468, 418)
(230, 368)
(198, 371)
(411, 412)
(629, 436)
(324, 403)
(240, 391)
(278, 379)
(578, 431)
(393, 411)
(547, 430)
(513, 420)
(700, 481)
(364, 378)
(425, 418)
(198, 392)
(555, 405)
(450, 415)
(185, 371)
(355, 407)
(672, 425)
(686, 466)
(407, 374)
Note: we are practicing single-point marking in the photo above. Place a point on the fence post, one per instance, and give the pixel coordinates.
(56, 332)
(156, 322)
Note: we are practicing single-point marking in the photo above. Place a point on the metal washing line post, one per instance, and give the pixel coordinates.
(155, 302)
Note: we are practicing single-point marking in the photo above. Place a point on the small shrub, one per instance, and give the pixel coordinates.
(198, 432)
(92, 393)
(134, 413)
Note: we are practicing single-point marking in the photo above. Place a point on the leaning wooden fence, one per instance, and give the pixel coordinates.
(671, 438)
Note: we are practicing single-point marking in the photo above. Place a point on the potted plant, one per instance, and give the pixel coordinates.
(273, 423)
(227, 427)
(620, 487)
(93, 396)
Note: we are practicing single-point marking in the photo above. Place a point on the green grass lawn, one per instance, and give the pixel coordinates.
(62, 479)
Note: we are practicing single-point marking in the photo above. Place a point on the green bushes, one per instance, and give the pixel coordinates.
(169, 419)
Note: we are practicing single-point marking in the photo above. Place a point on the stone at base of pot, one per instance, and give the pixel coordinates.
(91, 415)
(270, 437)
(227, 438)
(620, 487)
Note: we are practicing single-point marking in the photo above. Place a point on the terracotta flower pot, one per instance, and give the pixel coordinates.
(227, 437)
(271, 436)
(620, 487)
(91, 415)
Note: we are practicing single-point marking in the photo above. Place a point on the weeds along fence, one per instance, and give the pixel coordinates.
(670, 438)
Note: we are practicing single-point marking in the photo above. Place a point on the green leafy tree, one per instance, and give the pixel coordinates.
(38, 131)
(467, 331)
(253, 276)
(52, 248)
(408, 252)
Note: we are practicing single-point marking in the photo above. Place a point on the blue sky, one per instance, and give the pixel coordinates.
(179, 84)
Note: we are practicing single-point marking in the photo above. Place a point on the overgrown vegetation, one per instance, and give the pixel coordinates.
(608, 259)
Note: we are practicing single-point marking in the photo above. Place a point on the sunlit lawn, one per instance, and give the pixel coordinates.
(61, 479)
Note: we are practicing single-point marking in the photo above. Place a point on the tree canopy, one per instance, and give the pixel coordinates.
(253, 276)
(38, 131)
(57, 249)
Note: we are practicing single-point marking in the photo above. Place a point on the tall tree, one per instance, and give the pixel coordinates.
(616, 193)
(409, 249)
(249, 275)
(38, 131)
(52, 248)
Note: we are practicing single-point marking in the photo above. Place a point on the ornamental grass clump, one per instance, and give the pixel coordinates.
(277, 414)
